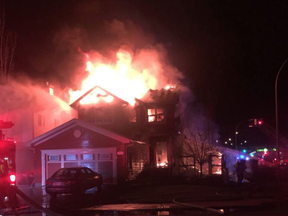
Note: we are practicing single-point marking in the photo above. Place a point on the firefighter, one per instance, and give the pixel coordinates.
(240, 167)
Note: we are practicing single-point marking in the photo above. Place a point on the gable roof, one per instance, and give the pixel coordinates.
(75, 103)
(70, 124)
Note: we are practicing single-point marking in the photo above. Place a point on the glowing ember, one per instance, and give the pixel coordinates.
(129, 78)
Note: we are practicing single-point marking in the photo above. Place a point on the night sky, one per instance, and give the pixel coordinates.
(229, 51)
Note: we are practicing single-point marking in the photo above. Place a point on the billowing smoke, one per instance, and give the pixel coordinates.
(19, 100)
(16, 95)
(147, 59)
(91, 30)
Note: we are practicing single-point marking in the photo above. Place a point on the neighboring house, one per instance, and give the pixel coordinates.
(33, 111)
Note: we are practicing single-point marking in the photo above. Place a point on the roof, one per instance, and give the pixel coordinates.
(75, 103)
(70, 124)
(161, 96)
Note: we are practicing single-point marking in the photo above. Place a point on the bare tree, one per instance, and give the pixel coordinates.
(199, 142)
(7, 48)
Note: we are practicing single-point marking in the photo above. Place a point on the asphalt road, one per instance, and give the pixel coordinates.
(184, 199)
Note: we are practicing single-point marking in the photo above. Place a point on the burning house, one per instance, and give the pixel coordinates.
(149, 124)
(106, 138)
(122, 125)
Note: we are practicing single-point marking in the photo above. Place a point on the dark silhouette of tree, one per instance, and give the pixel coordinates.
(7, 48)
(199, 142)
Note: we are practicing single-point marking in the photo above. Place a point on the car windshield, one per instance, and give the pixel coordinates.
(65, 173)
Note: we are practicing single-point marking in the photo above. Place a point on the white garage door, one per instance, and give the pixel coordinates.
(101, 160)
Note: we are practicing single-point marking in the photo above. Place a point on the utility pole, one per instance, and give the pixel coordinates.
(276, 118)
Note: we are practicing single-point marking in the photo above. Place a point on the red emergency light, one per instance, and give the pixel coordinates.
(12, 179)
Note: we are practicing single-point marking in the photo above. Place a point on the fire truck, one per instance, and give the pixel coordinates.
(7, 169)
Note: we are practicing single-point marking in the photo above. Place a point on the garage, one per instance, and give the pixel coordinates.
(77, 143)
(101, 160)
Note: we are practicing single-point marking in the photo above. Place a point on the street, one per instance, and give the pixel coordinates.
(157, 200)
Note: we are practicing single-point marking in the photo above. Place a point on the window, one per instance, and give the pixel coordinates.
(39, 120)
(51, 90)
(105, 156)
(53, 158)
(87, 156)
(71, 157)
(155, 115)
(82, 172)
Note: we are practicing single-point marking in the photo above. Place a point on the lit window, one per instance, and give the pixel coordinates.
(87, 156)
(51, 91)
(71, 157)
(155, 115)
(161, 154)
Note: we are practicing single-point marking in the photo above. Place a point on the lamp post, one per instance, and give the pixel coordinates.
(276, 116)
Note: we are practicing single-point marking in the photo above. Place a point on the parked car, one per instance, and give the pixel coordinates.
(73, 180)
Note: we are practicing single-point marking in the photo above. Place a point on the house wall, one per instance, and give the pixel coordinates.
(22, 130)
(117, 119)
(158, 131)
(46, 120)
(140, 129)
(87, 140)
(24, 162)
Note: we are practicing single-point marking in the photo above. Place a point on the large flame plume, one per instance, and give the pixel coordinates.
(129, 77)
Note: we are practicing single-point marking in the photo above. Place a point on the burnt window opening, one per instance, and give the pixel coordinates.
(161, 154)
(155, 115)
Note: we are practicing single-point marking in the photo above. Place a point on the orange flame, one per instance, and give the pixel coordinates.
(128, 78)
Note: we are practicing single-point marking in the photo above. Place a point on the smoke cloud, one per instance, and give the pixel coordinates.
(25, 97)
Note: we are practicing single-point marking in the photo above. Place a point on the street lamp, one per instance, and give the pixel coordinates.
(276, 115)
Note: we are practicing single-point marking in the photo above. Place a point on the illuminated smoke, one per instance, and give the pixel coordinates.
(19, 100)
